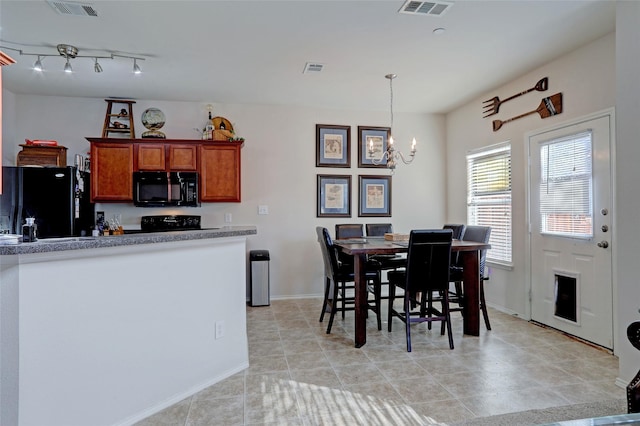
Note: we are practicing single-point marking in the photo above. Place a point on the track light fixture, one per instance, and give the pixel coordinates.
(69, 52)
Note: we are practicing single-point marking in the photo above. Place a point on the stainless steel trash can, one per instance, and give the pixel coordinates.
(259, 280)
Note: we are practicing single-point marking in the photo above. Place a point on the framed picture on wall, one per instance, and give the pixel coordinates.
(374, 196)
(372, 139)
(333, 145)
(334, 196)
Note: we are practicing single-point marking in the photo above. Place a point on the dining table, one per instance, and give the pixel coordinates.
(468, 255)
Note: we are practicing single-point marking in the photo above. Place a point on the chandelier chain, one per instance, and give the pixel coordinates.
(391, 103)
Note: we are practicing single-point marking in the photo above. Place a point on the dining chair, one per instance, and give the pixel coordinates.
(457, 228)
(479, 234)
(387, 261)
(337, 275)
(348, 230)
(427, 271)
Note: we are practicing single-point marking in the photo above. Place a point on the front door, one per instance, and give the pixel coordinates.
(570, 225)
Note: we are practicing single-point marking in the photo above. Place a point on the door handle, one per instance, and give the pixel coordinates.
(603, 244)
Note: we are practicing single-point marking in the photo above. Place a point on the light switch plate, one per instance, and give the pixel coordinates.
(263, 209)
(227, 217)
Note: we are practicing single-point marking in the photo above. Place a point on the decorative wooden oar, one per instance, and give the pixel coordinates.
(548, 107)
(493, 105)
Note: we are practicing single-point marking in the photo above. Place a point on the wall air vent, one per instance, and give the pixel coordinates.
(73, 8)
(312, 67)
(430, 8)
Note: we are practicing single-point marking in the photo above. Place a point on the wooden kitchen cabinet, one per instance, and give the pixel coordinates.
(111, 171)
(220, 172)
(113, 163)
(150, 157)
(183, 157)
(166, 157)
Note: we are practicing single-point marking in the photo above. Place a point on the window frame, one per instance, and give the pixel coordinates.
(501, 197)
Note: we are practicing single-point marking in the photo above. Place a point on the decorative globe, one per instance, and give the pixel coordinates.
(153, 119)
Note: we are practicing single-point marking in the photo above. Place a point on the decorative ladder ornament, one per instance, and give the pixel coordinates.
(120, 122)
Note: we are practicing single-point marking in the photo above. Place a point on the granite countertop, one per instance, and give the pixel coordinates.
(80, 243)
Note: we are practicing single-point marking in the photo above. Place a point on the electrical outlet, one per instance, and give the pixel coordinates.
(219, 329)
(227, 217)
(263, 209)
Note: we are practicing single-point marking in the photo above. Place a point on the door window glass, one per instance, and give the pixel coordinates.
(566, 187)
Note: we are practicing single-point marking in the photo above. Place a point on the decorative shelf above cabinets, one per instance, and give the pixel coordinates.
(113, 162)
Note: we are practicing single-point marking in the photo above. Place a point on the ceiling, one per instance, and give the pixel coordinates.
(254, 52)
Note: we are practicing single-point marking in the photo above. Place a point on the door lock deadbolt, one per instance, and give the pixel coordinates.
(604, 212)
(605, 228)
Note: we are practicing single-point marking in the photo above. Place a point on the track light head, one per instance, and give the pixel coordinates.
(37, 66)
(67, 67)
(97, 67)
(136, 68)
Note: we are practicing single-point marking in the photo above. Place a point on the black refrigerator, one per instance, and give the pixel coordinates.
(57, 197)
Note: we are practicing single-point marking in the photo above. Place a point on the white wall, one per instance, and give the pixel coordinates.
(586, 77)
(278, 169)
(628, 176)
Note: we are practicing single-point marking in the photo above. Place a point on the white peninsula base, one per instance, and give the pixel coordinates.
(109, 336)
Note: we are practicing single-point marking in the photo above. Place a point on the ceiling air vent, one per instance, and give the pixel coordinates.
(73, 8)
(430, 8)
(312, 67)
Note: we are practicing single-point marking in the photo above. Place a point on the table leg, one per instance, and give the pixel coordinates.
(471, 291)
(360, 262)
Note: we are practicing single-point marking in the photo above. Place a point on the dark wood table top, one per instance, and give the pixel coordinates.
(378, 245)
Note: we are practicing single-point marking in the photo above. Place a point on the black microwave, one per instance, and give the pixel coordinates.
(163, 189)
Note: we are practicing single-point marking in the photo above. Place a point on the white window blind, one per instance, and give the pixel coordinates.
(489, 197)
(566, 186)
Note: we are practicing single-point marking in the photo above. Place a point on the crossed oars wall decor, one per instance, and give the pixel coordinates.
(548, 107)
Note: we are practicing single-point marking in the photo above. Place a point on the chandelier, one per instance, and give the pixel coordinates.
(391, 155)
(69, 52)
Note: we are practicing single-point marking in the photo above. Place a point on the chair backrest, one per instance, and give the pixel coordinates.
(328, 252)
(480, 234)
(457, 228)
(349, 230)
(428, 260)
(378, 229)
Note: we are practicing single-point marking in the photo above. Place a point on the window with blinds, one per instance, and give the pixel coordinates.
(489, 197)
(566, 187)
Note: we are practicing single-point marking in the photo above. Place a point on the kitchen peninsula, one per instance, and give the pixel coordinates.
(109, 330)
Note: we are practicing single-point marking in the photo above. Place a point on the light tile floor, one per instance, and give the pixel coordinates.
(299, 375)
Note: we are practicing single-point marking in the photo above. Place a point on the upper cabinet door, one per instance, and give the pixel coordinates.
(111, 172)
(150, 157)
(183, 157)
(220, 173)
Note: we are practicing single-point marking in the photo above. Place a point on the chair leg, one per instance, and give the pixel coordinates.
(327, 287)
(483, 306)
(334, 306)
(407, 318)
(447, 317)
(343, 303)
(377, 295)
(392, 296)
(429, 308)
